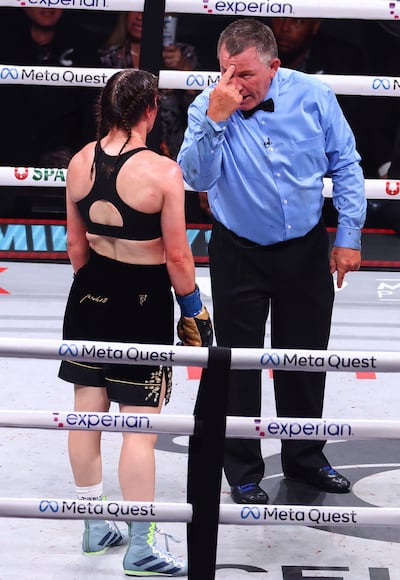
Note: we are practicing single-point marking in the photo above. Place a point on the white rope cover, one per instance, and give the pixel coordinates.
(369, 10)
(170, 355)
(50, 177)
(236, 427)
(308, 515)
(115, 422)
(72, 509)
(362, 85)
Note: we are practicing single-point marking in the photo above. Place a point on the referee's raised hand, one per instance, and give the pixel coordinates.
(225, 99)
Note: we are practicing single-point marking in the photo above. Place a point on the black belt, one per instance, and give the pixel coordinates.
(246, 243)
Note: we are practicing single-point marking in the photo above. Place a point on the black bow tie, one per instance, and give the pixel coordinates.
(267, 105)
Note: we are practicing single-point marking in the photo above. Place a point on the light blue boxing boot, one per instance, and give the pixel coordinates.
(144, 558)
(100, 535)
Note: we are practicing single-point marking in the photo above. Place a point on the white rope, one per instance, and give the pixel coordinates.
(374, 188)
(81, 421)
(72, 509)
(378, 86)
(55, 75)
(236, 427)
(309, 428)
(308, 516)
(369, 10)
(113, 352)
(50, 177)
(169, 355)
(32, 177)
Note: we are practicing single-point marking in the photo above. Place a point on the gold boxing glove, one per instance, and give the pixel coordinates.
(196, 330)
(194, 327)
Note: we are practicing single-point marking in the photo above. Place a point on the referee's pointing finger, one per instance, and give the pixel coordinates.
(228, 74)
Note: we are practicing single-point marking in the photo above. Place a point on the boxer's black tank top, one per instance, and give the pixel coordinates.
(136, 225)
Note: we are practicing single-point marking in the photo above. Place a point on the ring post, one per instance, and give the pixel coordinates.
(206, 450)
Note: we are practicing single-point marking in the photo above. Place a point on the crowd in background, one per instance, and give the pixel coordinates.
(45, 125)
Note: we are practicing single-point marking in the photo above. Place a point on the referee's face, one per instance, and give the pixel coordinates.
(252, 76)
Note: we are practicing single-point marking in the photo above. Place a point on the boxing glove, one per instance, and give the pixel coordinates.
(194, 326)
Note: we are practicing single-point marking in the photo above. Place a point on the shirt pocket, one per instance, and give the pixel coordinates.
(308, 158)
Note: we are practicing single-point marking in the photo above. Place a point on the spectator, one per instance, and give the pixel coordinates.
(383, 124)
(394, 168)
(41, 121)
(199, 29)
(382, 120)
(123, 51)
(303, 46)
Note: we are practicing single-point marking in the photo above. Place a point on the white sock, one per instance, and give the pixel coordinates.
(90, 492)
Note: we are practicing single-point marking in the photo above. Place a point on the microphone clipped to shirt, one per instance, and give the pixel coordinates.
(267, 105)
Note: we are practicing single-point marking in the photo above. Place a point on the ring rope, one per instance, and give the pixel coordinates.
(361, 85)
(73, 509)
(371, 9)
(52, 177)
(242, 358)
(236, 427)
(302, 515)
(47, 508)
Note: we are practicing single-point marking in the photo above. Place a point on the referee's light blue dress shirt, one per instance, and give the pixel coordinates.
(264, 175)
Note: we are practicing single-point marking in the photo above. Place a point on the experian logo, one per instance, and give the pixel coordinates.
(95, 4)
(394, 9)
(251, 7)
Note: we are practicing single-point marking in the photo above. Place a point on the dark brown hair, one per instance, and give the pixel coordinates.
(122, 102)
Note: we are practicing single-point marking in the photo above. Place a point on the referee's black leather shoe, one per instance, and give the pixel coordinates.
(326, 479)
(249, 493)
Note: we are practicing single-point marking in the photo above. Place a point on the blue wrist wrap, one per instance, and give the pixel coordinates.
(190, 304)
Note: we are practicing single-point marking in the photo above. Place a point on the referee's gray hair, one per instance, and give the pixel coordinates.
(248, 33)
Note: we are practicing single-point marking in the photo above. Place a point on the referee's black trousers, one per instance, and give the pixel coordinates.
(291, 282)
